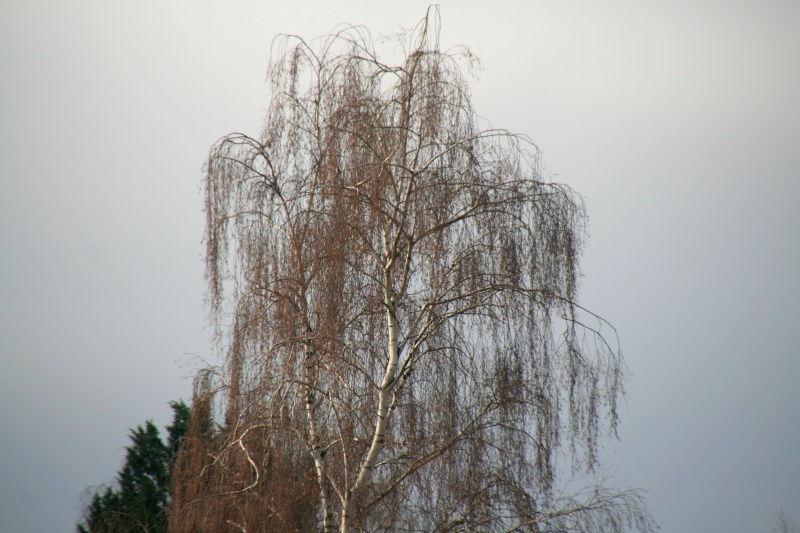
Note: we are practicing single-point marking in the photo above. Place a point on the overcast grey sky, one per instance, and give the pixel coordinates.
(679, 122)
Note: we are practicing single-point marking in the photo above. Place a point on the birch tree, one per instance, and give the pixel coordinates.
(395, 285)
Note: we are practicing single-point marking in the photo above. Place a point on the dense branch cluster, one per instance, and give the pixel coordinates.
(395, 292)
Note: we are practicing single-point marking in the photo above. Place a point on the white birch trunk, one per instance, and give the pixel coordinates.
(384, 404)
(328, 522)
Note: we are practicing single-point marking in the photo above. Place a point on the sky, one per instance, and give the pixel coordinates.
(678, 122)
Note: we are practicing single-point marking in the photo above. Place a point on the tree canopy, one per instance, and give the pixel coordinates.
(395, 285)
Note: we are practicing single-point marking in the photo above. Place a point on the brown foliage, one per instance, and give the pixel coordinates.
(396, 288)
(239, 480)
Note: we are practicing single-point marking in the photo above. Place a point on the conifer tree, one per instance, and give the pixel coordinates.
(138, 498)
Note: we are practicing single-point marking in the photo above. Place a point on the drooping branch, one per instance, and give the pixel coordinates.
(395, 286)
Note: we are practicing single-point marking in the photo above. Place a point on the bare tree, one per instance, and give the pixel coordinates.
(396, 292)
(784, 523)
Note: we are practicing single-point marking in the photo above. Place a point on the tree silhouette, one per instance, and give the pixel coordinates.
(784, 523)
(138, 499)
(395, 286)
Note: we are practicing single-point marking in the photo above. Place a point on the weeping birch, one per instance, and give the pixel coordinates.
(395, 286)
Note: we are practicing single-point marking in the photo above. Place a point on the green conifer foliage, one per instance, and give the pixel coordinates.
(138, 498)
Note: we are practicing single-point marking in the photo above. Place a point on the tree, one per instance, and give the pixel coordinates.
(138, 499)
(395, 288)
(231, 480)
(784, 523)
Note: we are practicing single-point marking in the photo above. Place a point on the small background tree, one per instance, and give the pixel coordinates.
(395, 288)
(137, 501)
(784, 523)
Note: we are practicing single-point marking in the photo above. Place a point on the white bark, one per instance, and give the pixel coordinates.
(384, 405)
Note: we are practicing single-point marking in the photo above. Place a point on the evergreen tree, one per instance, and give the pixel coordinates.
(180, 421)
(137, 501)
